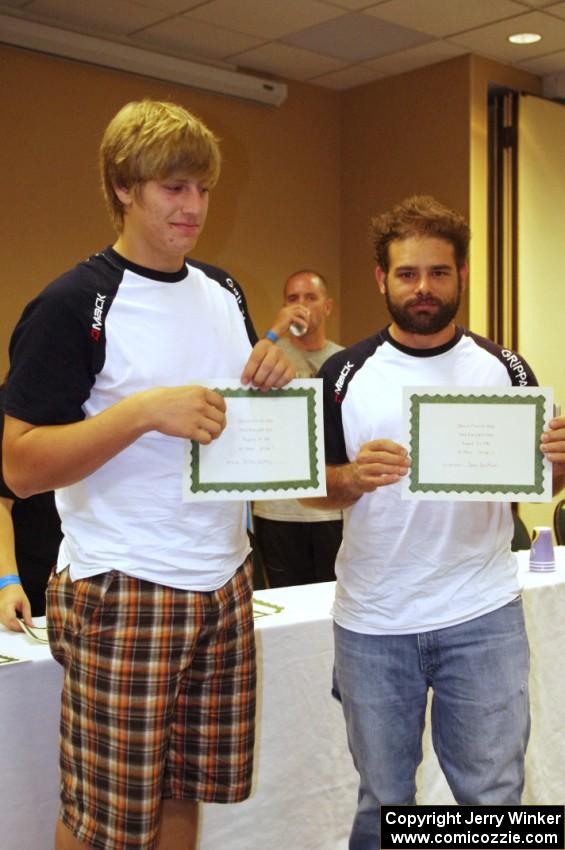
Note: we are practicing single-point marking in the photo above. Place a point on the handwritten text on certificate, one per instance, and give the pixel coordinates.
(271, 448)
(477, 443)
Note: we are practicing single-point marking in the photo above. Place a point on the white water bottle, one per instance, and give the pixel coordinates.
(299, 330)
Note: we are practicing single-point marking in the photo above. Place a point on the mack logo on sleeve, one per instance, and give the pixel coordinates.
(341, 380)
(97, 316)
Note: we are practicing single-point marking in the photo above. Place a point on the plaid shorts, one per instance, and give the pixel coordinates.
(158, 700)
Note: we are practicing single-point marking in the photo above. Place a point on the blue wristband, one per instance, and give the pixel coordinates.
(6, 580)
(272, 336)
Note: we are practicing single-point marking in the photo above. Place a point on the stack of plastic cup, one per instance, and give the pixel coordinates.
(542, 556)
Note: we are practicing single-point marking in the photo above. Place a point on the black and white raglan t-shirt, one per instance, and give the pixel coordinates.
(411, 566)
(102, 331)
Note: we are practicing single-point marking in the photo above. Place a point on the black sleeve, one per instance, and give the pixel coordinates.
(337, 373)
(519, 371)
(239, 295)
(52, 357)
(5, 491)
(333, 424)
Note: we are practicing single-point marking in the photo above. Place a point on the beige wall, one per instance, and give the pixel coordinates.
(403, 135)
(299, 185)
(275, 209)
(423, 132)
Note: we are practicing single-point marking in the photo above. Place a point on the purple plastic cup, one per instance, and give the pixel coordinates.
(542, 556)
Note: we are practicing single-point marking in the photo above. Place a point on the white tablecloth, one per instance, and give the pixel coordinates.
(544, 606)
(305, 786)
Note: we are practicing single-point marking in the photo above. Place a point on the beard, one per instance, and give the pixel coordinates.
(424, 323)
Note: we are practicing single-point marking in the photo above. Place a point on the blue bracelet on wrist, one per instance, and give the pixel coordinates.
(11, 579)
(272, 336)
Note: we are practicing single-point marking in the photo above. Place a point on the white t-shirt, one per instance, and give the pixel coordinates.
(101, 332)
(412, 566)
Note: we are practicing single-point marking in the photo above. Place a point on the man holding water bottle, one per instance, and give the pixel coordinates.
(298, 545)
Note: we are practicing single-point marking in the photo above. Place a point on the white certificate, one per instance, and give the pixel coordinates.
(475, 443)
(271, 448)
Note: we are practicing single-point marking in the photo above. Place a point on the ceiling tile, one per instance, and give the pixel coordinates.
(557, 9)
(356, 38)
(538, 3)
(347, 78)
(340, 43)
(352, 5)
(287, 61)
(191, 38)
(265, 18)
(492, 40)
(554, 63)
(417, 57)
(436, 17)
(104, 15)
(171, 6)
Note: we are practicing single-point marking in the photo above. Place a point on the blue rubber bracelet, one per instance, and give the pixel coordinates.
(272, 336)
(6, 580)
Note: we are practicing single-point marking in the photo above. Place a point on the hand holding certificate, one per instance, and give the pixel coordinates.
(477, 444)
(271, 448)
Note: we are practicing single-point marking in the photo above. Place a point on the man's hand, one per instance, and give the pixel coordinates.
(553, 447)
(13, 601)
(191, 412)
(378, 463)
(287, 315)
(267, 367)
(38, 458)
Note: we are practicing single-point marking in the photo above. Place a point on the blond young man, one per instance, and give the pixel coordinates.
(299, 544)
(150, 609)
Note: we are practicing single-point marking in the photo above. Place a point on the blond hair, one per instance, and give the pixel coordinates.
(150, 140)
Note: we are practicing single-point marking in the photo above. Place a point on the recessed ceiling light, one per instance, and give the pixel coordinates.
(524, 37)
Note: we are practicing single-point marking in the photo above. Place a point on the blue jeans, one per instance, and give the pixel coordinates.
(480, 712)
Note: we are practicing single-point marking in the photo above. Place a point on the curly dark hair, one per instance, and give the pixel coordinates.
(420, 215)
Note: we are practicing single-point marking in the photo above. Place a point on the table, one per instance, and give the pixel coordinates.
(544, 607)
(305, 786)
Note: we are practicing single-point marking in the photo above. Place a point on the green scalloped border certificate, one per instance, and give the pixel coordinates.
(475, 443)
(272, 446)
